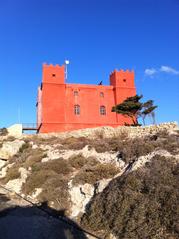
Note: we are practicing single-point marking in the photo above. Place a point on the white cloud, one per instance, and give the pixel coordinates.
(165, 69)
(168, 69)
(150, 72)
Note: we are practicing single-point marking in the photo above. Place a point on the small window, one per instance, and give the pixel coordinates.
(124, 80)
(75, 93)
(102, 110)
(76, 109)
(101, 94)
(53, 75)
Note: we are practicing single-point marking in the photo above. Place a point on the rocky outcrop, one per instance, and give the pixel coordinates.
(106, 157)
(81, 194)
(107, 131)
(9, 149)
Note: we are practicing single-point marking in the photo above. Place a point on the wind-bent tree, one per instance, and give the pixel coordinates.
(133, 108)
(148, 109)
(130, 107)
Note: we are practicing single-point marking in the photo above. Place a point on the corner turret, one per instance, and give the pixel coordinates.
(53, 74)
(122, 79)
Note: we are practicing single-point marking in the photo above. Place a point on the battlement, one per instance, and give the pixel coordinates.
(51, 65)
(122, 78)
(53, 74)
(121, 71)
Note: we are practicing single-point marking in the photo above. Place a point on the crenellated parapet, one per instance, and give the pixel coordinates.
(122, 78)
(53, 73)
(51, 65)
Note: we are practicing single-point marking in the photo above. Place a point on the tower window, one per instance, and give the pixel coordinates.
(75, 93)
(124, 80)
(102, 110)
(76, 109)
(101, 94)
(53, 75)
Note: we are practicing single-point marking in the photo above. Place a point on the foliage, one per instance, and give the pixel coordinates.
(133, 108)
(148, 109)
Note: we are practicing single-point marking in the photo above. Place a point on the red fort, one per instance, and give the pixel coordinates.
(65, 107)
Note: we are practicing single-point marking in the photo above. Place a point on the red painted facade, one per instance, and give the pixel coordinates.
(65, 107)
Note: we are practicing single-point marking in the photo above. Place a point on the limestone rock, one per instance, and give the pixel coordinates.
(80, 196)
(11, 148)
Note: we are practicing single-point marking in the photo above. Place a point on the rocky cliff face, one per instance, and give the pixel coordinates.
(86, 172)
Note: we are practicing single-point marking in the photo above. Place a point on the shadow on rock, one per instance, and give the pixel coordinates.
(36, 222)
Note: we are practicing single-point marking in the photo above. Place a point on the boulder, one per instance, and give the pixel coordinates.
(80, 196)
(11, 148)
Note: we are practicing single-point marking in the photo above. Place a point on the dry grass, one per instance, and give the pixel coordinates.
(75, 143)
(37, 179)
(55, 190)
(29, 156)
(35, 157)
(52, 177)
(77, 161)
(12, 173)
(38, 140)
(94, 173)
(59, 166)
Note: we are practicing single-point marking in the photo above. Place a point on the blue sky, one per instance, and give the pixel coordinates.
(97, 36)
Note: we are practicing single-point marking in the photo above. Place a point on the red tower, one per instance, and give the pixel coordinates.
(65, 107)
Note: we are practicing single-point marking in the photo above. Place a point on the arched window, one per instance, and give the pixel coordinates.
(102, 110)
(76, 109)
(75, 93)
(101, 94)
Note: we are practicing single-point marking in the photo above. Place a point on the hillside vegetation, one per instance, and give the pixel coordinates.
(118, 183)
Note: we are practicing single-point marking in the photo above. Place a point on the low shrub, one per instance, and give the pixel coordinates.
(77, 161)
(28, 156)
(141, 204)
(24, 147)
(37, 179)
(59, 166)
(75, 143)
(12, 173)
(34, 157)
(55, 190)
(92, 174)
